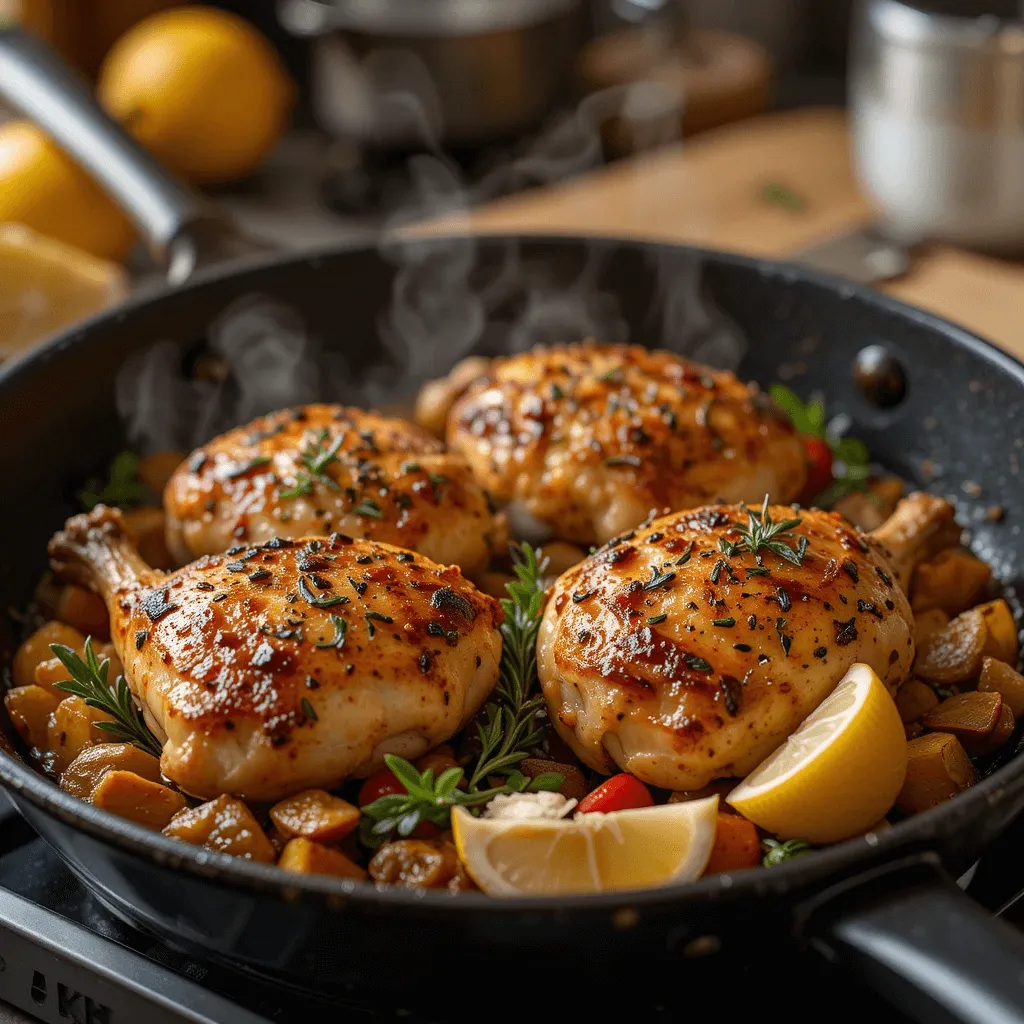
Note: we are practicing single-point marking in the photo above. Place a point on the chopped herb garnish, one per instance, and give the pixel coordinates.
(685, 556)
(763, 533)
(246, 467)
(658, 579)
(340, 632)
(777, 194)
(321, 600)
(307, 710)
(727, 622)
(368, 507)
(653, 620)
(846, 632)
(777, 852)
(445, 597)
(697, 663)
(372, 617)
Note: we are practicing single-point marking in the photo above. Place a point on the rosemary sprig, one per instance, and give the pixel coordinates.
(123, 487)
(89, 681)
(762, 532)
(776, 852)
(429, 799)
(510, 726)
(851, 460)
(316, 457)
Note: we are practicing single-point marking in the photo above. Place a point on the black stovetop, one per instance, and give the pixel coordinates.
(65, 957)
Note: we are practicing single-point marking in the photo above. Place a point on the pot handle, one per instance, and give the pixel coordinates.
(180, 228)
(914, 937)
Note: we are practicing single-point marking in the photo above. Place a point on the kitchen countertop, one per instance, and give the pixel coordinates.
(710, 191)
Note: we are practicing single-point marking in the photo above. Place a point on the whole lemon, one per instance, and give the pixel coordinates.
(47, 191)
(201, 89)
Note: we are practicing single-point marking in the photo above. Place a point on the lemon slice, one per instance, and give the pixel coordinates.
(838, 774)
(633, 849)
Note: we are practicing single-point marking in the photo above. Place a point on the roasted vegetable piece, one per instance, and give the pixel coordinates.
(1001, 641)
(71, 729)
(557, 556)
(147, 526)
(914, 700)
(436, 397)
(37, 648)
(574, 783)
(156, 469)
(953, 580)
(131, 796)
(49, 672)
(304, 857)
(619, 793)
(998, 677)
(737, 845)
(953, 655)
(419, 864)
(927, 624)
(1001, 733)
(225, 825)
(315, 814)
(382, 783)
(84, 773)
(83, 610)
(29, 708)
(937, 768)
(440, 759)
(971, 717)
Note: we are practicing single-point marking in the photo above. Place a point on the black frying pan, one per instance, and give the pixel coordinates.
(942, 408)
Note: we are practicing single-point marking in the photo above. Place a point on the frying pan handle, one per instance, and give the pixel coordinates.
(179, 227)
(924, 945)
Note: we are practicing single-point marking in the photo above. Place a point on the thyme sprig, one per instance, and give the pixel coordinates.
(122, 489)
(762, 532)
(316, 457)
(510, 726)
(851, 460)
(89, 681)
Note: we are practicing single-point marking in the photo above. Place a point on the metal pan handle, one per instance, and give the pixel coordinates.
(179, 227)
(924, 945)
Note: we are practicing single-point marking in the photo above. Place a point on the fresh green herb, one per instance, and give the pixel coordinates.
(429, 799)
(658, 579)
(123, 487)
(727, 622)
(685, 556)
(777, 194)
(321, 601)
(316, 456)
(776, 852)
(89, 681)
(370, 617)
(303, 486)
(340, 631)
(307, 711)
(245, 467)
(653, 620)
(762, 531)
(368, 507)
(851, 460)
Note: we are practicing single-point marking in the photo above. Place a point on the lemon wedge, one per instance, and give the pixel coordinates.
(838, 774)
(633, 849)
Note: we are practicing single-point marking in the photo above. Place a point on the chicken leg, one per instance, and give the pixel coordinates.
(678, 653)
(295, 663)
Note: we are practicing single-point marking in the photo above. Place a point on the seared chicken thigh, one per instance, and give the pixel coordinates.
(591, 438)
(320, 468)
(290, 664)
(679, 654)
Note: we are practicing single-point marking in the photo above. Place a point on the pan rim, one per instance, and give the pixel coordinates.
(914, 833)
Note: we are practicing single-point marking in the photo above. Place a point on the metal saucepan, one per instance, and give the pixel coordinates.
(882, 906)
(404, 74)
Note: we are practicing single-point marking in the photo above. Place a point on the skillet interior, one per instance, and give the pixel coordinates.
(962, 420)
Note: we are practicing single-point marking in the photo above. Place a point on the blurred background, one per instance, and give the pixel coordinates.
(744, 124)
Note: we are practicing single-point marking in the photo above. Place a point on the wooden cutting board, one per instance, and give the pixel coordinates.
(711, 191)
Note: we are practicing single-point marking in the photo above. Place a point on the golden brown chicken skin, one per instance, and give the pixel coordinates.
(291, 664)
(678, 656)
(322, 468)
(591, 438)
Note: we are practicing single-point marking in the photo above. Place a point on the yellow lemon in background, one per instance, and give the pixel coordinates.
(47, 191)
(201, 89)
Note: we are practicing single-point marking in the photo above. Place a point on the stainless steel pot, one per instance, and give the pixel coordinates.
(937, 94)
(415, 73)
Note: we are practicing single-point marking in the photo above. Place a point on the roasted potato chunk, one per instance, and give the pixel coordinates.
(50, 672)
(914, 700)
(147, 525)
(83, 610)
(419, 864)
(927, 624)
(952, 656)
(972, 718)
(30, 708)
(315, 814)
(37, 648)
(304, 857)
(953, 580)
(71, 729)
(131, 796)
(225, 825)
(998, 677)
(937, 768)
(574, 784)
(1001, 641)
(81, 777)
(559, 556)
